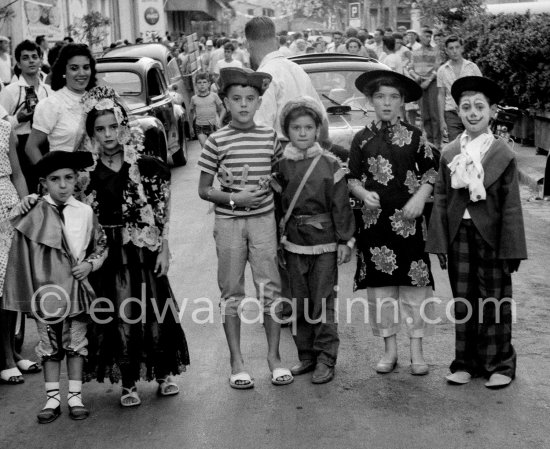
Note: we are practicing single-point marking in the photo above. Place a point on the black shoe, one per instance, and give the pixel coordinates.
(302, 367)
(78, 412)
(49, 415)
(322, 374)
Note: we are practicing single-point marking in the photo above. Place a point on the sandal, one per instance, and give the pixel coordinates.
(77, 412)
(11, 376)
(48, 415)
(281, 376)
(167, 387)
(28, 366)
(129, 393)
(241, 381)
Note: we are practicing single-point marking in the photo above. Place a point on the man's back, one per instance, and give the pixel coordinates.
(289, 82)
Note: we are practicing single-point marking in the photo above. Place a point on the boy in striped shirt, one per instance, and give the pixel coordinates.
(241, 155)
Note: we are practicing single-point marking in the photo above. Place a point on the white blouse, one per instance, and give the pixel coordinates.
(59, 116)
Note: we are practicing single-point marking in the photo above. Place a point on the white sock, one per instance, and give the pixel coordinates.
(51, 389)
(75, 386)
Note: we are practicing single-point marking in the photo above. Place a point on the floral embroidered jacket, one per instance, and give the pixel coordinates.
(394, 162)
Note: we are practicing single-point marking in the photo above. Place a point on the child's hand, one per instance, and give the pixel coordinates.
(82, 270)
(344, 254)
(414, 207)
(163, 262)
(27, 203)
(371, 199)
(250, 197)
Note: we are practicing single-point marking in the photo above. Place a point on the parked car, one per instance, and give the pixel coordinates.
(142, 86)
(180, 84)
(333, 75)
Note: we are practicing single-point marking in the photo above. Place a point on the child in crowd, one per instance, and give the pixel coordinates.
(242, 156)
(55, 246)
(206, 109)
(477, 230)
(317, 237)
(392, 171)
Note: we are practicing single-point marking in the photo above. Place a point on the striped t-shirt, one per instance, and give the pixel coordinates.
(241, 158)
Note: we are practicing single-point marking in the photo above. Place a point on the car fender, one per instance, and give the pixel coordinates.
(155, 142)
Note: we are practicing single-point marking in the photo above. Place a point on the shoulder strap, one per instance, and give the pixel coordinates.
(297, 193)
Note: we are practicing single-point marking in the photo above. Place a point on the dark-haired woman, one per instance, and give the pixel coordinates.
(392, 170)
(57, 118)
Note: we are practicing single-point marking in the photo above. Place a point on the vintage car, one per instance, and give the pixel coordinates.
(142, 86)
(333, 76)
(180, 84)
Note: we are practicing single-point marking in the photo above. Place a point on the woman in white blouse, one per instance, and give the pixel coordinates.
(57, 118)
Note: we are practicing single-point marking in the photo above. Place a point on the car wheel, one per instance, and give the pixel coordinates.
(179, 158)
(19, 332)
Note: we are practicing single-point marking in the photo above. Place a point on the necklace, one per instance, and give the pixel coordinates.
(111, 156)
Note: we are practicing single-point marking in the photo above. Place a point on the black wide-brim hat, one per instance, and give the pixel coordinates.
(477, 84)
(231, 76)
(412, 89)
(56, 160)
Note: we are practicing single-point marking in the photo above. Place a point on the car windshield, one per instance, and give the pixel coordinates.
(125, 83)
(339, 86)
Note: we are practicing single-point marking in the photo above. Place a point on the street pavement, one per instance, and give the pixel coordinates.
(358, 409)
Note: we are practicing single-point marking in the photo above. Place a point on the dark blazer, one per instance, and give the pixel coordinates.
(498, 219)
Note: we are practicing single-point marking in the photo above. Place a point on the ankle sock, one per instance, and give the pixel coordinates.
(75, 400)
(52, 391)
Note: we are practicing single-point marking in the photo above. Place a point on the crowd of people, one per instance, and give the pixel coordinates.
(86, 212)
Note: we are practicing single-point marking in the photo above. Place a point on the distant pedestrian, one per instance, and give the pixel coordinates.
(242, 155)
(423, 69)
(317, 237)
(228, 60)
(455, 68)
(477, 232)
(206, 109)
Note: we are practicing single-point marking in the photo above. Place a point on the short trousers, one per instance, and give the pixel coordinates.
(388, 306)
(67, 337)
(205, 129)
(253, 240)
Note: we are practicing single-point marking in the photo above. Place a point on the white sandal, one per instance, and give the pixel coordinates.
(130, 393)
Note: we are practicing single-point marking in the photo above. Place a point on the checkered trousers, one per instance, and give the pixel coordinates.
(483, 311)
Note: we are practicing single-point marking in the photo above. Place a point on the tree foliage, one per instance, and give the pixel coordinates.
(514, 51)
(317, 10)
(449, 13)
(91, 29)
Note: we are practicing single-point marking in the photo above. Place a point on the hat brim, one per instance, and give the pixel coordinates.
(411, 88)
(231, 76)
(477, 84)
(56, 160)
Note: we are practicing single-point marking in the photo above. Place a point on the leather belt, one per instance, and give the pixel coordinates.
(312, 220)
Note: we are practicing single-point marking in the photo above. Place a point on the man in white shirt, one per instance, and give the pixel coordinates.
(283, 47)
(456, 67)
(228, 60)
(18, 100)
(412, 43)
(289, 79)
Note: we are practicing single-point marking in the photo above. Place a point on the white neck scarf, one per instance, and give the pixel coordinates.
(294, 154)
(466, 169)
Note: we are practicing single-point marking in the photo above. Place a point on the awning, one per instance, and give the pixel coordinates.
(198, 9)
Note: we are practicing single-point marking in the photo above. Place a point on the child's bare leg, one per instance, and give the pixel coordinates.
(232, 328)
(202, 138)
(417, 355)
(75, 365)
(52, 370)
(390, 349)
(273, 334)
